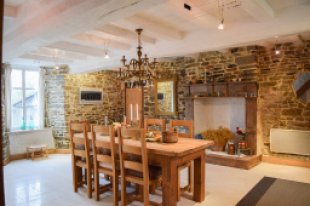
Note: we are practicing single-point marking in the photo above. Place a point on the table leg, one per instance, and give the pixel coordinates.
(170, 181)
(199, 178)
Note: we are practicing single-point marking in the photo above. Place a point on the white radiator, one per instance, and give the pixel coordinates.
(290, 141)
(19, 140)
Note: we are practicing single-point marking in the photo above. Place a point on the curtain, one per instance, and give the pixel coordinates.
(42, 98)
(7, 92)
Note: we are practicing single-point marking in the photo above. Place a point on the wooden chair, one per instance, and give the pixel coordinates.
(190, 126)
(105, 161)
(130, 133)
(80, 156)
(135, 168)
(148, 123)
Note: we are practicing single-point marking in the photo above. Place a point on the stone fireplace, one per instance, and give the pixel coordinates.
(212, 112)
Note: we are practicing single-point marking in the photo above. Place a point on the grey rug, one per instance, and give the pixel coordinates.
(277, 192)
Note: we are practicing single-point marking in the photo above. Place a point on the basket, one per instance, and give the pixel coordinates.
(170, 137)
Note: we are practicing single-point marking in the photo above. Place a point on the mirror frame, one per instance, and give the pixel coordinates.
(157, 112)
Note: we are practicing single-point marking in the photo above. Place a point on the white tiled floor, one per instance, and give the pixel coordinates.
(48, 182)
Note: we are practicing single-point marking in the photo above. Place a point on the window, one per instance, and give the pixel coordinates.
(25, 97)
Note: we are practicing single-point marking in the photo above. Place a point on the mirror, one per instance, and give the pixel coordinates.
(301, 87)
(165, 97)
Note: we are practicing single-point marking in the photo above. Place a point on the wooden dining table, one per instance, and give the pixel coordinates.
(171, 155)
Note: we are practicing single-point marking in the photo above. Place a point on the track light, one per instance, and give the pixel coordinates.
(276, 47)
(277, 52)
(221, 25)
(106, 55)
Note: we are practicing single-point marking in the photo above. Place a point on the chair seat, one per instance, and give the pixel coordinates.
(154, 173)
(109, 166)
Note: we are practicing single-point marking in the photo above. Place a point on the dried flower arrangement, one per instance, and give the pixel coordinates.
(220, 137)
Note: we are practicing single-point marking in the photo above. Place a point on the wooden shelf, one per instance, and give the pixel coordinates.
(191, 98)
(219, 83)
(222, 89)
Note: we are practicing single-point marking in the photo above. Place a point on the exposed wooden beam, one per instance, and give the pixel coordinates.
(47, 52)
(157, 26)
(73, 47)
(66, 19)
(98, 40)
(10, 11)
(56, 60)
(124, 33)
(259, 9)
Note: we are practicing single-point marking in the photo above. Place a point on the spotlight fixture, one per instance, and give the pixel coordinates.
(277, 52)
(221, 14)
(221, 25)
(106, 55)
(106, 51)
(276, 47)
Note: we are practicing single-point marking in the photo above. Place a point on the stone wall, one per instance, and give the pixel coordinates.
(277, 104)
(63, 104)
(55, 105)
(5, 137)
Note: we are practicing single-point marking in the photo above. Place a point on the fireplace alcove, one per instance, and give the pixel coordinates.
(225, 104)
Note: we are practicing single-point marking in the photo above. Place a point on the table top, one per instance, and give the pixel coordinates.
(183, 147)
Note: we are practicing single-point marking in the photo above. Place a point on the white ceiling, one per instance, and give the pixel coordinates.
(77, 32)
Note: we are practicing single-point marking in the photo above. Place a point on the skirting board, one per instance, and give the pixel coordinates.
(243, 163)
(24, 155)
(286, 161)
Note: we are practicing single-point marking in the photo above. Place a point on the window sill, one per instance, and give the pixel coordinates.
(27, 130)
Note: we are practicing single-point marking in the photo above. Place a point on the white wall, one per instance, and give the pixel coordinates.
(21, 139)
(212, 112)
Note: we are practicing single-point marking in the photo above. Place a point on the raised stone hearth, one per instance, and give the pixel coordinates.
(239, 161)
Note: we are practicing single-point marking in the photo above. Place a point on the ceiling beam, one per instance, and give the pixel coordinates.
(10, 11)
(124, 33)
(259, 9)
(101, 41)
(157, 26)
(56, 60)
(73, 47)
(48, 52)
(65, 19)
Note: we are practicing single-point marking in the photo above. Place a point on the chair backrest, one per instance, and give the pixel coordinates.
(149, 125)
(134, 158)
(103, 150)
(130, 133)
(79, 140)
(186, 124)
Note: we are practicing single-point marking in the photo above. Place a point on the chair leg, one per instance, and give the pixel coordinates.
(89, 183)
(74, 175)
(153, 187)
(190, 178)
(115, 190)
(146, 195)
(96, 184)
(179, 185)
(123, 192)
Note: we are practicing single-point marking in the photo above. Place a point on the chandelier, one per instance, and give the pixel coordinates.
(140, 71)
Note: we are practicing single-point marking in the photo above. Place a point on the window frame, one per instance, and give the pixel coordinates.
(24, 107)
